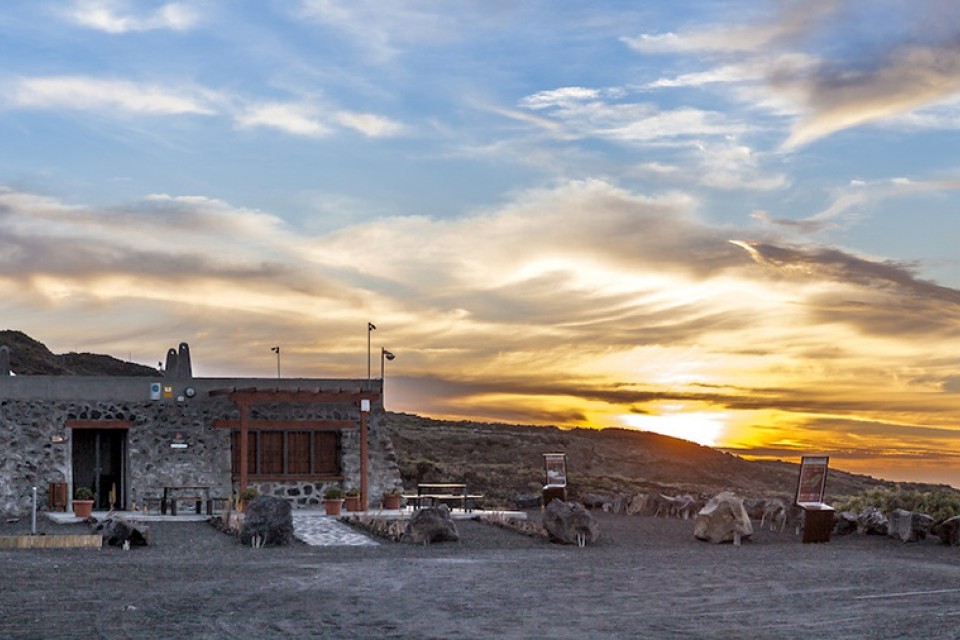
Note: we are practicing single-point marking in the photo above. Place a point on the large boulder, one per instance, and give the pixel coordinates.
(570, 523)
(872, 522)
(637, 505)
(909, 526)
(268, 521)
(846, 523)
(117, 531)
(432, 524)
(948, 531)
(723, 519)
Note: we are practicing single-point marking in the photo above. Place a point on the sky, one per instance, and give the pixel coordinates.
(734, 222)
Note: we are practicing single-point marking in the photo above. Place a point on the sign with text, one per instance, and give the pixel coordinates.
(813, 479)
(555, 465)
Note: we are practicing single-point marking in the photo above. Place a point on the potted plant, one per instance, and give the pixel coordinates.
(247, 496)
(391, 498)
(351, 500)
(333, 501)
(83, 502)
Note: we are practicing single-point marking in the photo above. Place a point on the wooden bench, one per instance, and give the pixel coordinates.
(451, 494)
(198, 494)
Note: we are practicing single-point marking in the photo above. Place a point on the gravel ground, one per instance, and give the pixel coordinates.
(646, 578)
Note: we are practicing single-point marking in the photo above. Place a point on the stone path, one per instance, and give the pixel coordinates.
(320, 530)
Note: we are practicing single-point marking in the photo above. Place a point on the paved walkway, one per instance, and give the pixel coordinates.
(322, 530)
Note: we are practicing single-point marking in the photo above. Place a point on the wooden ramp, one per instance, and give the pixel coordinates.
(51, 542)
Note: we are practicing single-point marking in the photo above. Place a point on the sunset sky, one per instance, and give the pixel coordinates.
(734, 222)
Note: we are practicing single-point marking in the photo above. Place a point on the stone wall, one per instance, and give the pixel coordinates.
(30, 457)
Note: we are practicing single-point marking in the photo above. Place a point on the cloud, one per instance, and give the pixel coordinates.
(778, 63)
(289, 118)
(92, 94)
(586, 301)
(115, 16)
(127, 98)
(793, 21)
(839, 97)
(369, 124)
(382, 31)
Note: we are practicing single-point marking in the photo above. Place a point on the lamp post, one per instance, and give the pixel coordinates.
(276, 350)
(384, 355)
(370, 328)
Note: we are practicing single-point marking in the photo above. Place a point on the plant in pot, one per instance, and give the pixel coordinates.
(247, 496)
(351, 500)
(333, 501)
(391, 498)
(83, 502)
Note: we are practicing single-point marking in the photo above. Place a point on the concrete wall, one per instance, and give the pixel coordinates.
(35, 410)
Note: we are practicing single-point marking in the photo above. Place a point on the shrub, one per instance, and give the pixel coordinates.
(940, 504)
(83, 493)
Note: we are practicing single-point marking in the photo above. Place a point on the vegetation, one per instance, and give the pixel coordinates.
(940, 504)
(83, 493)
(333, 493)
(249, 494)
(502, 461)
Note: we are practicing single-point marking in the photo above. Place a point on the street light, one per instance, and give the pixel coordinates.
(384, 355)
(370, 328)
(276, 350)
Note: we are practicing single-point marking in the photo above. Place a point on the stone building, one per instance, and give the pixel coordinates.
(127, 438)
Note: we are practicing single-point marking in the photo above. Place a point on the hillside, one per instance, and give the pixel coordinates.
(502, 460)
(30, 357)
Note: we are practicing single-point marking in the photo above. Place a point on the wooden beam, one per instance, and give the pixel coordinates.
(288, 425)
(258, 395)
(100, 424)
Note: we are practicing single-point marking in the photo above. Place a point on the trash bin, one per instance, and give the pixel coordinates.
(553, 492)
(818, 521)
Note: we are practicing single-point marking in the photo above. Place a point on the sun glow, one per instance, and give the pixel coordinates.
(701, 427)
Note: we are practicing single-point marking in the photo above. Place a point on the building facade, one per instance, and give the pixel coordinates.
(127, 438)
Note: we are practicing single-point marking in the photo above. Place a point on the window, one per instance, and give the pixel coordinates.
(289, 453)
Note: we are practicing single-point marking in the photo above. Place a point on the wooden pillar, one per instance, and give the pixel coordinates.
(364, 409)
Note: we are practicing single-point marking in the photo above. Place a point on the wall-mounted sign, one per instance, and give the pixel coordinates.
(155, 388)
(179, 442)
(365, 405)
(168, 391)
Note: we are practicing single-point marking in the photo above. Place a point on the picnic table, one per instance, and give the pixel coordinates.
(452, 493)
(199, 494)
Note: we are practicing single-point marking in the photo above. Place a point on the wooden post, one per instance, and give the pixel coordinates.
(364, 404)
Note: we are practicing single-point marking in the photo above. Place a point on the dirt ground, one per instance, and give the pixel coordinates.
(647, 578)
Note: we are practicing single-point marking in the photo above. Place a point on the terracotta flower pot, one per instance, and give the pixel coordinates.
(332, 506)
(352, 503)
(83, 508)
(391, 502)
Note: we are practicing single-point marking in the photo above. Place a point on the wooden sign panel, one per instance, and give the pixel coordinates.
(813, 479)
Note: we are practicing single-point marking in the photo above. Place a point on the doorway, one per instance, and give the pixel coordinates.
(99, 462)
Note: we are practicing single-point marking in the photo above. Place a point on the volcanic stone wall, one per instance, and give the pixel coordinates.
(34, 415)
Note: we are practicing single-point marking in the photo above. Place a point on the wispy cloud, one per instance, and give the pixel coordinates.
(782, 57)
(120, 16)
(290, 118)
(95, 94)
(114, 97)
